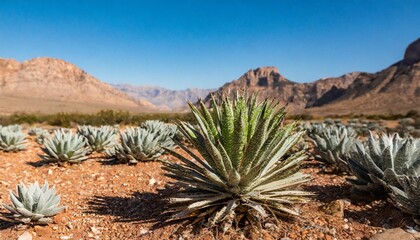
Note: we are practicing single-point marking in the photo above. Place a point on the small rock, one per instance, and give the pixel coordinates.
(346, 202)
(25, 236)
(334, 208)
(95, 230)
(346, 226)
(50, 172)
(152, 181)
(394, 233)
(66, 237)
(143, 231)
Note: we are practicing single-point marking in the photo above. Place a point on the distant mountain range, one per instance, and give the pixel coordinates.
(48, 85)
(165, 99)
(395, 89)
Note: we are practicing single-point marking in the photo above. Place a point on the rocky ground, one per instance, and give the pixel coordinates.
(109, 201)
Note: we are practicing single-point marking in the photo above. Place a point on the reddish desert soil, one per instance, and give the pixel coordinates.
(108, 201)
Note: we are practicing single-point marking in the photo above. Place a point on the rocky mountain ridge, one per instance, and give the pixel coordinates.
(395, 89)
(50, 80)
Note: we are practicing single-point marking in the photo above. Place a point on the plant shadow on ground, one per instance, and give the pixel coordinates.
(328, 193)
(5, 224)
(140, 207)
(365, 209)
(380, 214)
(40, 163)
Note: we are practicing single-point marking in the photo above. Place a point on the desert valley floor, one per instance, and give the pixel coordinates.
(118, 201)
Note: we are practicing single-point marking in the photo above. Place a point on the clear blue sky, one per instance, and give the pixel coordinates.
(198, 43)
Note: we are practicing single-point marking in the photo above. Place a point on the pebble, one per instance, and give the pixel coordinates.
(152, 181)
(346, 226)
(25, 236)
(95, 230)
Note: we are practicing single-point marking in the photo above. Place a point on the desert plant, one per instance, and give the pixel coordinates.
(39, 133)
(99, 138)
(382, 161)
(406, 196)
(12, 140)
(240, 173)
(65, 147)
(33, 204)
(13, 128)
(35, 131)
(139, 144)
(156, 126)
(332, 144)
(165, 130)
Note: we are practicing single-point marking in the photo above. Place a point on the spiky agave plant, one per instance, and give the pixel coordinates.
(157, 126)
(99, 138)
(332, 144)
(139, 144)
(11, 139)
(240, 174)
(406, 196)
(33, 204)
(382, 161)
(65, 147)
(39, 133)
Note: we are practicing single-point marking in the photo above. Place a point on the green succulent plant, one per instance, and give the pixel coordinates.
(13, 128)
(12, 140)
(406, 196)
(33, 204)
(240, 174)
(139, 144)
(35, 131)
(65, 147)
(382, 161)
(156, 126)
(332, 145)
(39, 133)
(99, 138)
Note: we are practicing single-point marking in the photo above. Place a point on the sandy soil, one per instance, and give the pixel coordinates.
(107, 201)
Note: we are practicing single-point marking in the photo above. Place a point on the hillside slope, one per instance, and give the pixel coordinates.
(52, 85)
(395, 89)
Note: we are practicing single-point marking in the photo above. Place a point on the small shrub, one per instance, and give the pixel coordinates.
(12, 139)
(139, 144)
(33, 204)
(65, 147)
(99, 138)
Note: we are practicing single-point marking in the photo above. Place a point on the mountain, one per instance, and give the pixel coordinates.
(271, 84)
(395, 89)
(162, 97)
(50, 85)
